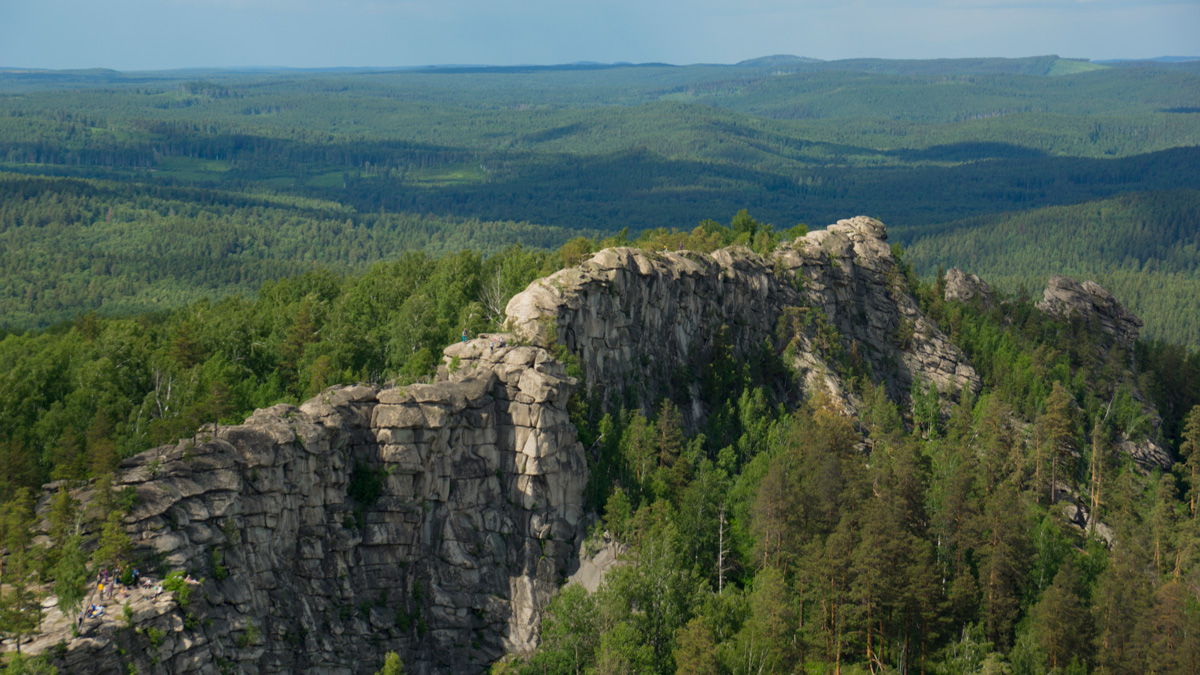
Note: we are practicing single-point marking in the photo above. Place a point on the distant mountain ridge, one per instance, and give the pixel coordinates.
(776, 60)
(973, 65)
(1155, 59)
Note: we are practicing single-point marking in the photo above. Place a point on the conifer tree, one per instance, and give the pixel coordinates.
(1058, 432)
(1099, 450)
(775, 515)
(101, 450)
(1120, 599)
(1063, 623)
(1170, 632)
(696, 653)
(1189, 449)
(114, 548)
(71, 575)
(20, 607)
(64, 511)
(1004, 562)
(1162, 522)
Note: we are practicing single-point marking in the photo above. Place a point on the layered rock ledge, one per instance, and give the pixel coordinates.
(638, 319)
(433, 520)
(1067, 298)
(437, 520)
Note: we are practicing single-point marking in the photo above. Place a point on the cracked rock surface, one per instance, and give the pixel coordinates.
(1067, 298)
(478, 502)
(642, 321)
(437, 520)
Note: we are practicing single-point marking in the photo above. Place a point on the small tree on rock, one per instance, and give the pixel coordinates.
(115, 547)
(392, 665)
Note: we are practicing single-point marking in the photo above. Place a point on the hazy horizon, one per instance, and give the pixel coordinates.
(136, 35)
(255, 67)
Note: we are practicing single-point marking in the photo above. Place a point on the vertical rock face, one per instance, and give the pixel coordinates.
(849, 272)
(642, 321)
(433, 520)
(437, 520)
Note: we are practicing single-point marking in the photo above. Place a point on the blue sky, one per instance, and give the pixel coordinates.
(161, 34)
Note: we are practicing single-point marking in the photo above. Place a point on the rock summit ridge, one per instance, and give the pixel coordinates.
(437, 520)
(637, 319)
(1065, 298)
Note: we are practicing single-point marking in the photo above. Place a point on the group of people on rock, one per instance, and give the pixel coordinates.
(109, 587)
(107, 582)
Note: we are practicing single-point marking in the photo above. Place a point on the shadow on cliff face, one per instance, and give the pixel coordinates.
(434, 520)
(833, 304)
(437, 520)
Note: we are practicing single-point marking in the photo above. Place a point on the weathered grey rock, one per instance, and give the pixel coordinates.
(451, 566)
(1145, 451)
(636, 319)
(963, 287)
(1080, 517)
(481, 474)
(592, 568)
(1066, 298)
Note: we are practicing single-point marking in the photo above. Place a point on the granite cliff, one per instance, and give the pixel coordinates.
(643, 322)
(437, 520)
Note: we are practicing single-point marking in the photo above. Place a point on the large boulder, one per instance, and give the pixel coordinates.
(963, 287)
(1067, 298)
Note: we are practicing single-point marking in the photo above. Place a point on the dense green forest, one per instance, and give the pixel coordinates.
(269, 171)
(80, 396)
(181, 248)
(71, 244)
(768, 541)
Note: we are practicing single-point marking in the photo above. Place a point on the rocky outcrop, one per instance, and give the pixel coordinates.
(1117, 331)
(642, 322)
(1066, 298)
(433, 520)
(1144, 450)
(963, 287)
(437, 520)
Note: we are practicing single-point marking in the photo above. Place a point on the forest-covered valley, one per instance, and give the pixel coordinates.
(438, 157)
(183, 248)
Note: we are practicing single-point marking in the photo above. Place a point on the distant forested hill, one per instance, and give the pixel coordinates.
(68, 246)
(269, 172)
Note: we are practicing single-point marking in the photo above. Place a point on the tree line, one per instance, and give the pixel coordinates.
(931, 533)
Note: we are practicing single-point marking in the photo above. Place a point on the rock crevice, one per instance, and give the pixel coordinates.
(435, 520)
(641, 321)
